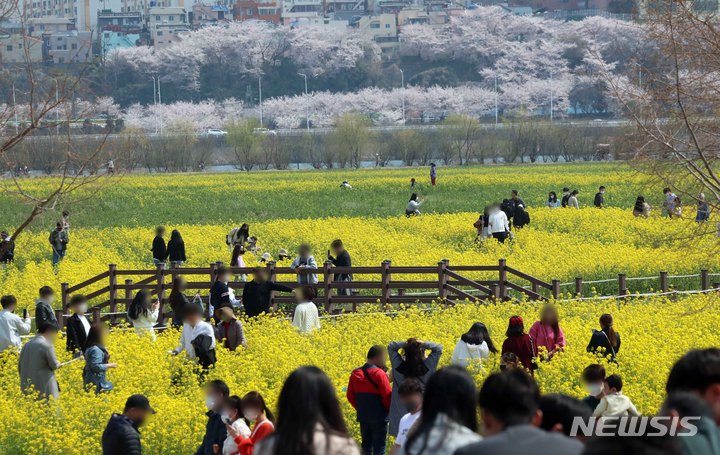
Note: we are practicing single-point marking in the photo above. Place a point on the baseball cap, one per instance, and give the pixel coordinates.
(139, 401)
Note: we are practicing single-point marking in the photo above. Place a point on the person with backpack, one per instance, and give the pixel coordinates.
(369, 392)
(599, 201)
(565, 197)
(606, 340)
(58, 240)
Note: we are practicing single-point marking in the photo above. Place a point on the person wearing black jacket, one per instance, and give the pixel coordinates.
(599, 201)
(176, 249)
(605, 340)
(78, 327)
(178, 300)
(258, 291)
(341, 259)
(216, 394)
(159, 250)
(122, 434)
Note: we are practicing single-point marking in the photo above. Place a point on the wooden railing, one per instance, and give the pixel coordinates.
(112, 291)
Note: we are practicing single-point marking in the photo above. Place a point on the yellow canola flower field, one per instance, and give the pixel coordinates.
(74, 424)
(560, 243)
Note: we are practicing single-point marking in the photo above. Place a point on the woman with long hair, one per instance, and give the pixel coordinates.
(310, 421)
(97, 360)
(547, 332)
(449, 415)
(641, 208)
(412, 364)
(553, 202)
(237, 260)
(232, 416)
(606, 340)
(178, 300)
(413, 206)
(256, 411)
(519, 343)
(143, 313)
(474, 346)
(176, 249)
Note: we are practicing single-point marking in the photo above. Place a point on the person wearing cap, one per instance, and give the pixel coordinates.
(230, 329)
(122, 432)
(78, 327)
(38, 362)
(7, 248)
(257, 292)
(194, 328)
(305, 261)
(12, 327)
(220, 292)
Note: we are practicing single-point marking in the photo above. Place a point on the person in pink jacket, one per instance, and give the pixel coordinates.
(546, 333)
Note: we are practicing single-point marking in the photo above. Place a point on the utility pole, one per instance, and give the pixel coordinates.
(496, 102)
(402, 85)
(307, 103)
(261, 105)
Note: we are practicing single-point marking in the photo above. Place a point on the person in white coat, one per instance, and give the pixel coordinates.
(473, 347)
(498, 224)
(232, 416)
(306, 318)
(12, 327)
(143, 313)
(193, 327)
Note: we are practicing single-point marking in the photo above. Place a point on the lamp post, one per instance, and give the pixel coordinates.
(402, 85)
(551, 97)
(15, 108)
(261, 105)
(57, 104)
(496, 102)
(307, 103)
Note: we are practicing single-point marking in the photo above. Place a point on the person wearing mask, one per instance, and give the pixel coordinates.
(58, 241)
(449, 415)
(669, 208)
(552, 200)
(520, 343)
(520, 217)
(565, 197)
(12, 327)
(230, 329)
(433, 174)
(303, 262)
(547, 333)
(369, 392)
(143, 313)
(38, 362)
(178, 300)
(706, 440)
(413, 206)
(599, 200)
(573, 200)
(220, 293)
(508, 361)
(257, 293)
(78, 327)
(593, 378)
(216, 395)
(305, 317)
(559, 411)
(341, 259)
(509, 403)
(473, 346)
(237, 260)
(615, 403)
(7, 248)
(159, 249)
(641, 208)
(197, 338)
(97, 360)
(498, 224)
(309, 417)
(698, 371)
(122, 432)
(703, 209)
(605, 340)
(411, 396)
(176, 249)
(44, 313)
(232, 417)
(256, 411)
(412, 364)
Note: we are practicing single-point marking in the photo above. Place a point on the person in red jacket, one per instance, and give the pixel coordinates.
(255, 410)
(519, 343)
(369, 393)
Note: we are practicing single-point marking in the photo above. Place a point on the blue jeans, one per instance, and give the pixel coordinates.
(57, 256)
(374, 437)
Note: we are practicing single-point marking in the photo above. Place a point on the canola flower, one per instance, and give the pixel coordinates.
(74, 424)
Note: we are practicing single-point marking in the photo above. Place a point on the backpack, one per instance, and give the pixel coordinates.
(232, 237)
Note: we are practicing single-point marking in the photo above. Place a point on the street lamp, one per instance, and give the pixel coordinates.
(307, 103)
(261, 105)
(15, 108)
(57, 105)
(551, 97)
(496, 102)
(402, 85)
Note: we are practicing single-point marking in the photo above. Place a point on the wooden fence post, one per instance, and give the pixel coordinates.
(60, 316)
(663, 281)
(704, 280)
(272, 277)
(128, 298)
(442, 280)
(556, 289)
(578, 286)
(161, 291)
(385, 276)
(494, 293)
(622, 285)
(96, 318)
(112, 284)
(64, 297)
(502, 278)
(327, 281)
